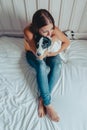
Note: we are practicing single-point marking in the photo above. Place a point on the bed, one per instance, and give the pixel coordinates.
(18, 91)
(18, 86)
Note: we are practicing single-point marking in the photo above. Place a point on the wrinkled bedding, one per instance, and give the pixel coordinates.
(19, 95)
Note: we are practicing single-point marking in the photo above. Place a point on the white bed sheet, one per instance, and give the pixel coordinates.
(18, 89)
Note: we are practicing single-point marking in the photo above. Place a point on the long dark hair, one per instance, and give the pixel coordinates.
(41, 18)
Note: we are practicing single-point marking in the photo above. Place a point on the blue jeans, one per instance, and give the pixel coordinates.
(45, 80)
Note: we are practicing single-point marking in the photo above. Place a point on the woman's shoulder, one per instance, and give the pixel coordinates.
(58, 32)
(28, 33)
(56, 29)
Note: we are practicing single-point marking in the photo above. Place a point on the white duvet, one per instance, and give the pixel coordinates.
(18, 89)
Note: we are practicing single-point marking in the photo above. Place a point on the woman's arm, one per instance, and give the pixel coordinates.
(58, 35)
(28, 35)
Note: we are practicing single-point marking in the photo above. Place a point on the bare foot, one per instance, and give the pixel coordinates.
(41, 108)
(52, 114)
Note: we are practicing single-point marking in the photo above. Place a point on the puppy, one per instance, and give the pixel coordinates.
(45, 44)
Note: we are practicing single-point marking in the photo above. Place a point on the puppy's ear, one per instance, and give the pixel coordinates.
(47, 41)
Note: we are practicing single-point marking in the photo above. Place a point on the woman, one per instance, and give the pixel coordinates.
(43, 24)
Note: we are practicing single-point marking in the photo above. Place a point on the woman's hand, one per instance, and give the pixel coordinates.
(49, 54)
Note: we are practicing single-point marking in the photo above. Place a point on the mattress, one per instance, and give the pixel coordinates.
(19, 95)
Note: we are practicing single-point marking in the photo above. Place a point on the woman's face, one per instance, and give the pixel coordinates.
(46, 30)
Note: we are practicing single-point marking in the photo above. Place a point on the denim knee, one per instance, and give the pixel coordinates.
(57, 65)
(42, 66)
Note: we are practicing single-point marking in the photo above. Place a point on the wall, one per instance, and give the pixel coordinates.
(68, 14)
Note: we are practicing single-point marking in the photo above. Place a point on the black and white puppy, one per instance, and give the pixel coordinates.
(42, 44)
(45, 43)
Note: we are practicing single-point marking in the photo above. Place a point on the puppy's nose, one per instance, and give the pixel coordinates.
(38, 54)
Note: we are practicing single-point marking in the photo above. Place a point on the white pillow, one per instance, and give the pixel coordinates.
(75, 35)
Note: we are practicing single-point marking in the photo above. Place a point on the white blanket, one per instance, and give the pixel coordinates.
(18, 89)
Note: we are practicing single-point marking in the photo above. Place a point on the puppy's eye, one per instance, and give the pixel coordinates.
(37, 45)
(44, 45)
(45, 41)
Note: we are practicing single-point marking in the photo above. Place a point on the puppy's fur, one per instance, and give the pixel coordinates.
(42, 43)
(45, 43)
